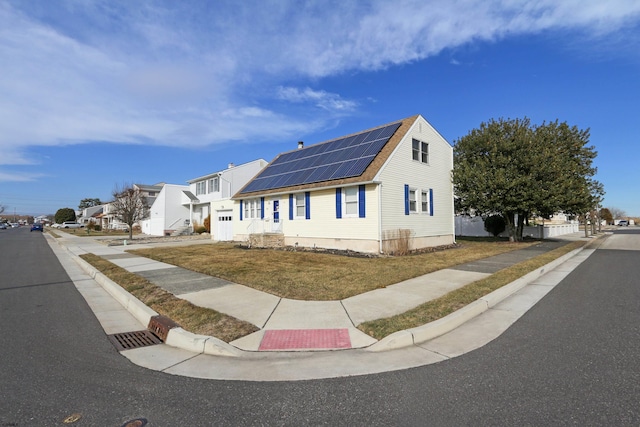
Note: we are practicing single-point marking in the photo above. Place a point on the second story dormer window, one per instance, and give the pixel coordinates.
(214, 185)
(201, 188)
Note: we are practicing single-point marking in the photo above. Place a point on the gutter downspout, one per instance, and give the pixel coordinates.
(380, 217)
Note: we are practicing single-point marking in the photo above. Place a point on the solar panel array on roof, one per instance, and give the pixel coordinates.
(342, 158)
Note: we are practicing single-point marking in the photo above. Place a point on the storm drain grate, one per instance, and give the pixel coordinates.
(131, 340)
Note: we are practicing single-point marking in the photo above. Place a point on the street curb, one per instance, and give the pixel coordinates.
(139, 310)
(176, 337)
(431, 330)
(203, 344)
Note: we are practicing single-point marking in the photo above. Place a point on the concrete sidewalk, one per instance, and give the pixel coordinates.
(295, 330)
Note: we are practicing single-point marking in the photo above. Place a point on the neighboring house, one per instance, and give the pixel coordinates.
(109, 219)
(167, 213)
(210, 195)
(90, 214)
(361, 192)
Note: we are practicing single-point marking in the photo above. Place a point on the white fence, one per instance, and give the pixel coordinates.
(474, 227)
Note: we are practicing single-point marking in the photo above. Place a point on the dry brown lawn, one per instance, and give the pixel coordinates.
(455, 300)
(313, 275)
(192, 318)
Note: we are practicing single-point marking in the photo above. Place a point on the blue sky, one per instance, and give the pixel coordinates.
(97, 94)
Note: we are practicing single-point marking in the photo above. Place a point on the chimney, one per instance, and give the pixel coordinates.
(230, 165)
(300, 144)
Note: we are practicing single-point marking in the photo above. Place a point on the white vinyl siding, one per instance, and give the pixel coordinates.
(324, 224)
(401, 170)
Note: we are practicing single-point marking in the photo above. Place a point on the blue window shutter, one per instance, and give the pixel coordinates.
(431, 201)
(406, 199)
(291, 207)
(361, 205)
(307, 208)
(338, 203)
(241, 210)
(261, 207)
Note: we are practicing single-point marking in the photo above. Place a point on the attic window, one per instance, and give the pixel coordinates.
(420, 151)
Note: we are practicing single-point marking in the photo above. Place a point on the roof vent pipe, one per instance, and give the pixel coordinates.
(300, 144)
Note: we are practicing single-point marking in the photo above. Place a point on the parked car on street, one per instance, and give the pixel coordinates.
(623, 223)
(37, 227)
(70, 224)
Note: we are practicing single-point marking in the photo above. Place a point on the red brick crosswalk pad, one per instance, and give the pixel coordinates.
(298, 339)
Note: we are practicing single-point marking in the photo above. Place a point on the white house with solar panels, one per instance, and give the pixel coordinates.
(362, 192)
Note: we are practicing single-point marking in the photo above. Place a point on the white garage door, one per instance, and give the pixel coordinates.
(224, 225)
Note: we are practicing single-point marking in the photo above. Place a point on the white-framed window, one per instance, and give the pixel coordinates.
(420, 151)
(413, 203)
(252, 209)
(214, 185)
(201, 188)
(424, 201)
(350, 201)
(300, 205)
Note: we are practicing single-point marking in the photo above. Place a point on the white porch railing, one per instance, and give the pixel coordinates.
(178, 222)
(262, 226)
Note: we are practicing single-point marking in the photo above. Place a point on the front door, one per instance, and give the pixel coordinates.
(276, 226)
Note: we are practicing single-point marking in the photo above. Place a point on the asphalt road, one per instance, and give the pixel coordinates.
(573, 359)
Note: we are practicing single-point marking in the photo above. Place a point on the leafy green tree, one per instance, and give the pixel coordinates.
(89, 203)
(606, 214)
(65, 214)
(515, 169)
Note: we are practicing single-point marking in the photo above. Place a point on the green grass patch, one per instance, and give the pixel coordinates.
(197, 320)
(455, 300)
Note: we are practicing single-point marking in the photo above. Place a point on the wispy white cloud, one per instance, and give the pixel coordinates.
(19, 177)
(194, 74)
(331, 102)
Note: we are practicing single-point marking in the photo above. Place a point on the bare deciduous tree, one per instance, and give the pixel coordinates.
(129, 205)
(617, 213)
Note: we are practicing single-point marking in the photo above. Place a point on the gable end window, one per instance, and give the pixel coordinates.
(420, 151)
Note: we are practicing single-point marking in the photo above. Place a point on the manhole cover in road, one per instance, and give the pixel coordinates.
(131, 340)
